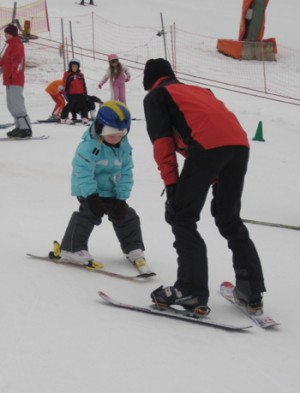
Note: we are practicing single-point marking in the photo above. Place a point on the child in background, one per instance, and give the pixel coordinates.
(117, 74)
(56, 91)
(102, 180)
(91, 107)
(75, 91)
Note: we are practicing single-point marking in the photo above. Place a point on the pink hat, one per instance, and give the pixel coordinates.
(113, 57)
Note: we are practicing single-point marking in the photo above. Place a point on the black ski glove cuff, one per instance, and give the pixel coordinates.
(171, 191)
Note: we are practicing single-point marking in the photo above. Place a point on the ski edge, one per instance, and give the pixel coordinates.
(32, 138)
(137, 278)
(264, 321)
(178, 315)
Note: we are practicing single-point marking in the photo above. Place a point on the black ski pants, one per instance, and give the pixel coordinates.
(82, 222)
(228, 165)
(76, 103)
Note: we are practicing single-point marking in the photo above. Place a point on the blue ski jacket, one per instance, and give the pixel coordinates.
(103, 169)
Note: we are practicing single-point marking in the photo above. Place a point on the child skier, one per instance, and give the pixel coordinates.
(56, 91)
(90, 105)
(75, 91)
(102, 181)
(118, 74)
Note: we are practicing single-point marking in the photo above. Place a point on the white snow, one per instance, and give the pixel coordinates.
(56, 335)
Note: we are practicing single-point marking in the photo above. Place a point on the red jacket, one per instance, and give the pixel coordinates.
(13, 63)
(74, 83)
(179, 115)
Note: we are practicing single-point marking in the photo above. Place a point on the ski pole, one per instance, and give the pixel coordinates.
(272, 224)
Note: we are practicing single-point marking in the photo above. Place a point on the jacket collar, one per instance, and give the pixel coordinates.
(159, 81)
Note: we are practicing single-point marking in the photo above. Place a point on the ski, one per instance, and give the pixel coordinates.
(47, 121)
(57, 121)
(261, 320)
(31, 138)
(6, 125)
(272, 224)
(138, 277)
(143, 269)
(173, 313)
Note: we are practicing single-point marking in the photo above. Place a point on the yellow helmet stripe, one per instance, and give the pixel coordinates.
(115, 106)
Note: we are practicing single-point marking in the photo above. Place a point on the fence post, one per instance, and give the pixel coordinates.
(71, 36)
(14, 12)
(63, 42)
(164, 35)
(93, 34)
(173, 46)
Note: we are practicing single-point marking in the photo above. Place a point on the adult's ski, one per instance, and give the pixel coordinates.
(262, 320)
(31, 138)
(6, 125)
(272, 224)
(170, 312)
(137, 277)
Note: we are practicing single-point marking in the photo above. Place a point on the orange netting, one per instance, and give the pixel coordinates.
(36, 13)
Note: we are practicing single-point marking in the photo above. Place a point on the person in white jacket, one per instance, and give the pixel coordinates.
(117, 73)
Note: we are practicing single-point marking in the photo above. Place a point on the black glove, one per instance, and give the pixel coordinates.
(95, 205)
(120, 209)
(115, 208)
(170, 204)
(213, 204)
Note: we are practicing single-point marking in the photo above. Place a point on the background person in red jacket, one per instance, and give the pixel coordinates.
(75, 93)
(190, 120)
(13, 66)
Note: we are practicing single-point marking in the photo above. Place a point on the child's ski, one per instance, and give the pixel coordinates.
(173, 313)
(261, 320)
(138, 277)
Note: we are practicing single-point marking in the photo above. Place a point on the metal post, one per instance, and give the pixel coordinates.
(2, 50)
(93, 34)
(14, 12)
(63, 42)
(164, 35)
(71, 36)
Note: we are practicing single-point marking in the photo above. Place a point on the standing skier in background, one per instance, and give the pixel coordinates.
(118, 74)
(13, 67)
(191, 121)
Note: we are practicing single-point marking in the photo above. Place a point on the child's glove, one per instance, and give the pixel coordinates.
(100, 86)
(127, 79)
(120, 209)
(115, 208)
(95, 205)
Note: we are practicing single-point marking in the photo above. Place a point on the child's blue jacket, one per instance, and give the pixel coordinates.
(102, 169)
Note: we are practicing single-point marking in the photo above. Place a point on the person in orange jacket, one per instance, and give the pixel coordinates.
(56, 91)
